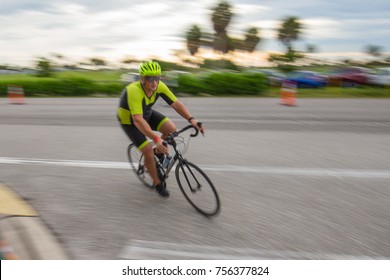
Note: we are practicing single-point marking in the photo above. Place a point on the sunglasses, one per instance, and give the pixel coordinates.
(152, 79)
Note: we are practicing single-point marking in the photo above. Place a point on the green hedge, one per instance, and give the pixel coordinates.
(224, 83)
(61, 87)
(190, 84)
(215, 83)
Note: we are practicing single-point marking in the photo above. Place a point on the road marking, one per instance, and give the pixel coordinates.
(68, 163)
(373, 123)
(321, 172)
(143, 250)
(12, 204)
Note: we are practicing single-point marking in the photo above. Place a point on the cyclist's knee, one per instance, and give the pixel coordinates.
(167, 128)
(147, 150)
(173, 128)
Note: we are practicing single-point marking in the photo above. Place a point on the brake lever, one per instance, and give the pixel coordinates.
(200, 125)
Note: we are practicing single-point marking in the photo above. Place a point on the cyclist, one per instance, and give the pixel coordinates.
(139, 120)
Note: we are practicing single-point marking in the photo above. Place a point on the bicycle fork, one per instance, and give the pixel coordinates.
(199, 186)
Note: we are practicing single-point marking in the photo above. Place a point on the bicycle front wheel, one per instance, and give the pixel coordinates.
(136, 160)
(197, 188)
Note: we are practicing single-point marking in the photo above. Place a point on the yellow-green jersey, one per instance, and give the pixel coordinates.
(134, 101)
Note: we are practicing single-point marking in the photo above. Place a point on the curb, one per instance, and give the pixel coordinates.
(24, 232)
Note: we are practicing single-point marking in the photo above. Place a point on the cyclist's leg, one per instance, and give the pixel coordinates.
(167, 128)
(150, 163)
(145, 147)
(161, 123)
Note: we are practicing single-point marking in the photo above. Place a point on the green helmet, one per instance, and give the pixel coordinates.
(150, 68)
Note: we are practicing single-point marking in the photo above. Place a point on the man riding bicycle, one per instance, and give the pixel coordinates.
(139, 120)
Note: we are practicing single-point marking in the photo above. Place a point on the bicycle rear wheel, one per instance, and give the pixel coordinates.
(197, 188)
(136, 160)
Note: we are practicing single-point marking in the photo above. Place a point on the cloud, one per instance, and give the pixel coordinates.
(247, 9)
(322, 28)
(71, 28)
(118, 28)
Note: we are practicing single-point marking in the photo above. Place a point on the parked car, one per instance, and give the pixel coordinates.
(380, 78)
(349, 76)
(130, 77)
(275, 78)
(307, 79)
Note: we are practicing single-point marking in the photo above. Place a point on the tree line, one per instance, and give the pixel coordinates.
(289, 31)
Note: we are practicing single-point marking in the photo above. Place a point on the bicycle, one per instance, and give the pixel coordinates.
(192, 180)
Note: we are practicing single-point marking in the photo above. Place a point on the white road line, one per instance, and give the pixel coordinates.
(321, 172)
(355, 173)
(373, 123)
(69, 163)
(143, 250)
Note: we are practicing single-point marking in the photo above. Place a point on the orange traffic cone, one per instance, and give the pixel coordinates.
(15, 94)
(288, 93)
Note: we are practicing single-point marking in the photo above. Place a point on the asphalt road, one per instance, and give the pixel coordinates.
(306, 182)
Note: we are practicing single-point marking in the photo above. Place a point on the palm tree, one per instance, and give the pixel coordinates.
(374, 50)
(289, 31)
(194, 36)
(251, 39)
(310, 48)
(97, 61)
(221, 18)
(44, 67)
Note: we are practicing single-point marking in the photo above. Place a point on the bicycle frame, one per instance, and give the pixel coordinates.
(178, 155)
(191, 179)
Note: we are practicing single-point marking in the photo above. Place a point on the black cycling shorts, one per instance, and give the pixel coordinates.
(156, 120)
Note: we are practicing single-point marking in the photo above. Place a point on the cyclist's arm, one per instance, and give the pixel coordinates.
(166, 93)
(182, 110)
(146, 130)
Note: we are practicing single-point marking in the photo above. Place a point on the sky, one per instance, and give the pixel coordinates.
(118, 29)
